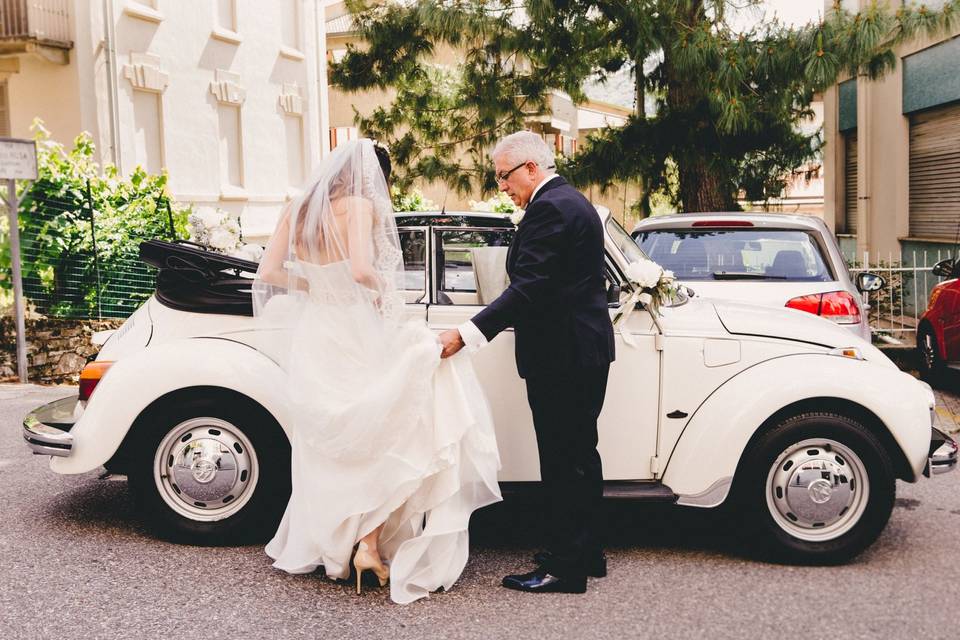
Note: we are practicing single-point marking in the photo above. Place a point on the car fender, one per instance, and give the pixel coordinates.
(701, 467)
(136, 381)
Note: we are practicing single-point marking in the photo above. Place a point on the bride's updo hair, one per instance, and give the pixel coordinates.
(341, 184)
(383, 157)
(338, 184)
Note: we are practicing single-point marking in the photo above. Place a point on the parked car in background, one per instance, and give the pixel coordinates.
(775, 260)
(938, 334)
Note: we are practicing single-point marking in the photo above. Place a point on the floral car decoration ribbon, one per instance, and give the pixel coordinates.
(652, 287)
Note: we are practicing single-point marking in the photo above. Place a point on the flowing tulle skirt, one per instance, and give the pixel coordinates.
(384, 433)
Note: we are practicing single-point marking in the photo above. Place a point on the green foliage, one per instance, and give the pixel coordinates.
(412, 200)
(60, 272)
(727, 102)
(499, 202)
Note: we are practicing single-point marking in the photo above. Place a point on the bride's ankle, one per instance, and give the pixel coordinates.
(367, 547)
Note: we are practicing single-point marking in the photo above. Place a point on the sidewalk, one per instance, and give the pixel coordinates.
(947, 414)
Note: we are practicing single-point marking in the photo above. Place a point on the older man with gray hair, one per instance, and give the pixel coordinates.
(557, 306)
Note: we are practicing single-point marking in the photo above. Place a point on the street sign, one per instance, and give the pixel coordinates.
(18, 159)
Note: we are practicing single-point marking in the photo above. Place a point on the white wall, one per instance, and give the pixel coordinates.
(242, 148)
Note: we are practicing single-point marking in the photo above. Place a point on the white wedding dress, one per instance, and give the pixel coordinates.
(384, 432)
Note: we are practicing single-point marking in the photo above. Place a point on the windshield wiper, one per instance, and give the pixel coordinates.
(744, 275)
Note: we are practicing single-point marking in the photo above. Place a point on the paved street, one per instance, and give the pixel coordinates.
(76, 563)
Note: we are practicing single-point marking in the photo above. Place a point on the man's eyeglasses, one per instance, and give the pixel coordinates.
(502, 177)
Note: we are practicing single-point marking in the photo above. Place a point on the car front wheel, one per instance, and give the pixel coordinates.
(211, 471)
(819, 488)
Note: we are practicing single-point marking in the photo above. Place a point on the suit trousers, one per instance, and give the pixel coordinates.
(565, 406)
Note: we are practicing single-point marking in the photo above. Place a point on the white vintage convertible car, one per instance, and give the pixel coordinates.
(790, 419)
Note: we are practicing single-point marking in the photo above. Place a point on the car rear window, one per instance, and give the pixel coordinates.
(737, 254)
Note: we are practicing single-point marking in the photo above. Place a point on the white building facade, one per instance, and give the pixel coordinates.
(225, 95)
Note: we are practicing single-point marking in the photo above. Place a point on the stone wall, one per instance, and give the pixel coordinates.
(56, 349)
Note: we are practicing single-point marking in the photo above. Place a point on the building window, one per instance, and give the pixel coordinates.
(227, 14)
(565, 145)
(290, 24)
(231, 146)
(225, 22)
(293, 130)
(4, 110)
(143, 10)
(148, 130)
(339, 135)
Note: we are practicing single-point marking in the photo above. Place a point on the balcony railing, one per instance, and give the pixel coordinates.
(28, 24)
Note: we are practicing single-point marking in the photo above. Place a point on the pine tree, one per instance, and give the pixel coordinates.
(727, 102)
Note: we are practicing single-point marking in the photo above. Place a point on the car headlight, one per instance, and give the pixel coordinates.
(847, 352)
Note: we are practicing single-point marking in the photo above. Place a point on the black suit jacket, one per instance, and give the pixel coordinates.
(556, 301)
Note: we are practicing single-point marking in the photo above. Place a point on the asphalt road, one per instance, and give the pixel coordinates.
(75, 562)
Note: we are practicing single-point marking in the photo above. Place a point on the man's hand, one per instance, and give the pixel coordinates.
(451, 341)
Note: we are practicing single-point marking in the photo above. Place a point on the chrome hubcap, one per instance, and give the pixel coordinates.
(817, 490)
(206, 469)
(928, 353)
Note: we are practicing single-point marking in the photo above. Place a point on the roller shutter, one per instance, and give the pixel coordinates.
(850, 182)
(935, 173)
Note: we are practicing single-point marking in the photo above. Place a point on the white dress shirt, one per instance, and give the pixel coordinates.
(473, 338)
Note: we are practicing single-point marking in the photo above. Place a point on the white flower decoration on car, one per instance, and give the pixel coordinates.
(651, 286)
(222, 239)
(645, 273)
(251, 252)
(215, 229)
(517, 216)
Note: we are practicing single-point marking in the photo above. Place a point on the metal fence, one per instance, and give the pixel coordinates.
(74, 265)
(895, 310)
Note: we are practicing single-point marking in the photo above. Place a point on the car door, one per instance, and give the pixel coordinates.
(951, 321)
(458, 294)
(628, 422)
(465, 277)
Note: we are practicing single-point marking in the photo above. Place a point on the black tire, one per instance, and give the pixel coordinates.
(761, 475)
(266, 451)
(932, 369)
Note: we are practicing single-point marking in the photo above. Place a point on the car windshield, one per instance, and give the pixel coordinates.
(624, 242)
(737, 254)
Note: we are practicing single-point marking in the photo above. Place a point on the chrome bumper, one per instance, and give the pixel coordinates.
(47, 428)
(943, 454)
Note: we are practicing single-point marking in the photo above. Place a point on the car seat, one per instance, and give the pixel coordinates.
(788, 264)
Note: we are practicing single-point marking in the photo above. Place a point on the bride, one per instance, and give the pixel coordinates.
(392, 448)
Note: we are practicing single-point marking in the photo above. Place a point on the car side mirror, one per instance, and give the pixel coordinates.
(867, 282)
(944, 268)
(613, 293)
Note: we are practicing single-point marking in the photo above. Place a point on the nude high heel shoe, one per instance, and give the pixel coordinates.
(363, 560)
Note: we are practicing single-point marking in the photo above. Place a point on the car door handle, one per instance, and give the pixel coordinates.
(677, 414)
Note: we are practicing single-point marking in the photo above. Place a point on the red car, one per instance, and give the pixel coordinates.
(938, 336)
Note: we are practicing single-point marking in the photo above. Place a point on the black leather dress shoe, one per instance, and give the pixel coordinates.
(540, 581)
(597, 568)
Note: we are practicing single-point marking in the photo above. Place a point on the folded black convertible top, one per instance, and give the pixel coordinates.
(193, 278)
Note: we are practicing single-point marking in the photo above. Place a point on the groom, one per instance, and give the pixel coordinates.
(557, 306)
